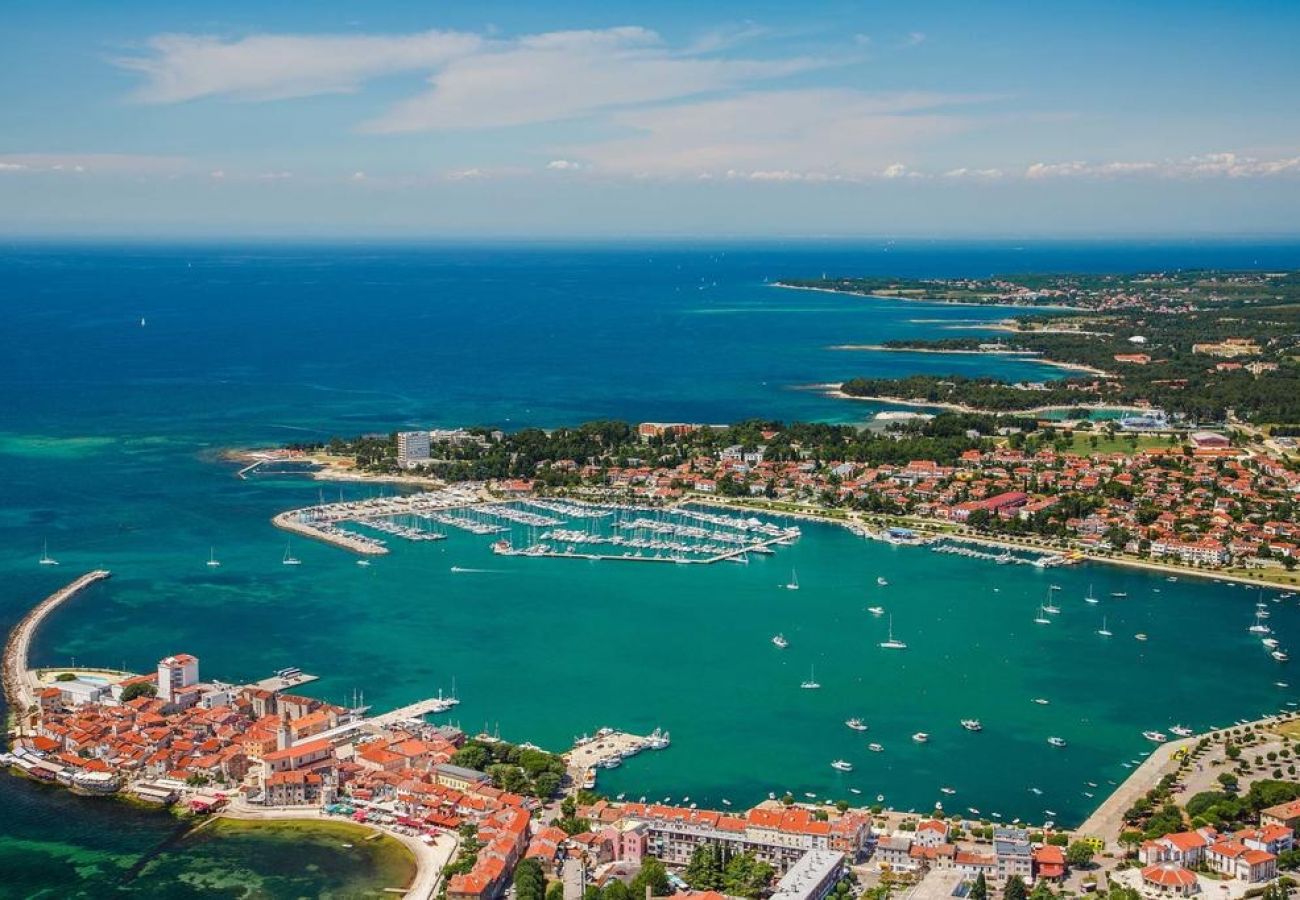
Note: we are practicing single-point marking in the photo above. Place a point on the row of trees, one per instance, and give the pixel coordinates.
(737, 875)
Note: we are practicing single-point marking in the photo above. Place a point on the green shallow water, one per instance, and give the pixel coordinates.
(91, 848)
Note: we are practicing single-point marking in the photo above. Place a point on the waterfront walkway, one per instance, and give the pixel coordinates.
(19, 692)
(1107, 820)
(430, 859)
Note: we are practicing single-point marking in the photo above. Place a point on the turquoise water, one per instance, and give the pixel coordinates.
(109, 441)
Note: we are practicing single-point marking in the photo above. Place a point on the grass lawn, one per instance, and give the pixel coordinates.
(1119, 444)
(1289, 729)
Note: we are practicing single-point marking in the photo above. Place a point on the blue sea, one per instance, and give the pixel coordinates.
(126, 369)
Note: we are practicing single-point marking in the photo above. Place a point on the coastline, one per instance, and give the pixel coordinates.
(995, 304)
(934, 528)
(1025, 355)
(429, 859)
(19, 696)
(327, 467)
(835, 390)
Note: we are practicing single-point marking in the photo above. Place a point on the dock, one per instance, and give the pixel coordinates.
(19, 694)
(412, 711)
(738, 554)
(607, 750)
(279, 683)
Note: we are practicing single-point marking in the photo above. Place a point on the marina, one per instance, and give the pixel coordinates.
(624, 532)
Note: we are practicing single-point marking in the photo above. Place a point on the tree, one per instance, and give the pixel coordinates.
(1078, 854)
(530, 882)
(1130, 840)
(980, 889)
(471, 756)
(546, 784)
(1041, 891)
(745, 876)
(1015, 889)
(652, 875)
(616, 890)
(139, 689)
(556, 891)
(704, 871)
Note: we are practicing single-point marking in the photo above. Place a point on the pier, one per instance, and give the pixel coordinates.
(412, 711)
(19, 694)
(607, 750)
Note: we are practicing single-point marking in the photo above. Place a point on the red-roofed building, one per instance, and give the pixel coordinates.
(1169, 878)
(1049, 863)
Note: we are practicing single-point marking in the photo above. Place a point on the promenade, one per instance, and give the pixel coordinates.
(430, 859)
(19, 693)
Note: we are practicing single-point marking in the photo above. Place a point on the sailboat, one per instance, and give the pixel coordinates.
(1042, 617)
(289, 558)
(1049, 606)
(1091, 598)
(892, 643)
(1103, 630)
(213, 562)
(793, 584)
(811, 684)
(1259, 627)
(46, 559)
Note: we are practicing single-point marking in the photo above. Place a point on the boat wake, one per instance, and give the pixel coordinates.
(461, 570)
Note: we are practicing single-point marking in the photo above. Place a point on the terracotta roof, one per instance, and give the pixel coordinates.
(1168, 875)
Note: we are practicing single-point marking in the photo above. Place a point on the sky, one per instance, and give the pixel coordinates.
(445, 118)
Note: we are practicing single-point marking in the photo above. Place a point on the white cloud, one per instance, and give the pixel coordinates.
(569, 74)
(839, 133)
(274, 176)
(965, 172)
(358, 176)
(181, 67)
(466, 175)
(563, 165)
(915, 39)
(1210, 165)
(95, 163)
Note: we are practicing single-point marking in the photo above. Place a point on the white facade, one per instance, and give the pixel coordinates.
(176, 672)
(412, 447)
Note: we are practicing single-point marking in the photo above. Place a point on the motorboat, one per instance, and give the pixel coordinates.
(1181, 730)
(1279, 655)
(921, 737)
(841, 766)
(880, 580)
(1140, 636)
(875, 748)
(780, 641)
(1157, 736)
(876, 610)
(856, 724)
(1042, 701)
(972, 725)
(1056, 741)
